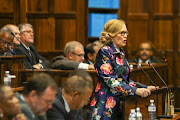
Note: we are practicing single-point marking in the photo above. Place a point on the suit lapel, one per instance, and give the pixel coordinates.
(29, 57)
(59, 96)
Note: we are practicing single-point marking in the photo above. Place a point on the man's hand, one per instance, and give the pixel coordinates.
(91, 67)
(37, 66)
(40, 61)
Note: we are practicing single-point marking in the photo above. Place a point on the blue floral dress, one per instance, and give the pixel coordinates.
(113, 72)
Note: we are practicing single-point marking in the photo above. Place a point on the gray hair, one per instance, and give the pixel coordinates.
(22, 27)
(77, 83)
(71, 46)
(7, 30)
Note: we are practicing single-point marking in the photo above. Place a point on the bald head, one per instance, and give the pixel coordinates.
(16, 32)
(74, 50)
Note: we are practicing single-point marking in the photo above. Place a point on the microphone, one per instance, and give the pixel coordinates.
(158, 75)
(144, 72)
(172, 68)
(12, 33)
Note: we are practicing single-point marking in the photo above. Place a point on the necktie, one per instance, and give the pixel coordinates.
(29, 51)
(32, 62)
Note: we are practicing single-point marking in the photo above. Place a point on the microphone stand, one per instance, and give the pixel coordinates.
(15, 37)
(172, 68)
(167, 102)
(145, 73)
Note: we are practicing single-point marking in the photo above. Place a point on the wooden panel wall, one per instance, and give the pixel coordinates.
(157, 21)
(55, 21)
(9, 12)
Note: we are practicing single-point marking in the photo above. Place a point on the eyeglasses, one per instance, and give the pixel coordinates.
(124, 32)
(28, 31)
(5, 43)
(80, 55)
(147, 49)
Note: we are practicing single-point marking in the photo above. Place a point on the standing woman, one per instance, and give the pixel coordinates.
(113, 74)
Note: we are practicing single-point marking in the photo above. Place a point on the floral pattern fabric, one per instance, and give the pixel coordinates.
(113, 72)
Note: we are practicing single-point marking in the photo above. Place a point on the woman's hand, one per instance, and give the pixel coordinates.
(152, 88)
(143, 92)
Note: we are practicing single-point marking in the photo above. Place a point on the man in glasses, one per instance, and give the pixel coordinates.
(37, 96)
(6, 41)
(145, 54)
(73, 58)
(14, 31)
(33, 59)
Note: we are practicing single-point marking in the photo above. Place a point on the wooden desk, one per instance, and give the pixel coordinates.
(12, 64)
(136, 74)
(176, 116)
(132, 102)
(59, 75)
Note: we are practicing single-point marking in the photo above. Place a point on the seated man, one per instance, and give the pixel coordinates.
(91, 51)
(37, 96)
(74, 56)
(145, 54)
(75, 93)
(16, 34)
(6, 41)
(33, 59)
(9, 106)
(98, 43)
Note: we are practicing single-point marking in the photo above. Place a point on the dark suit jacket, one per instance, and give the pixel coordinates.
(1, 55)
(7, 53)
(10, 52)
(86, 61)
(31, 60)
(25, 108)
(58, 111)
(61, 63)
(153, 59)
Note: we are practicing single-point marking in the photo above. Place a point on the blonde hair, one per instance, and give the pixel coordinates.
(111, 29)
